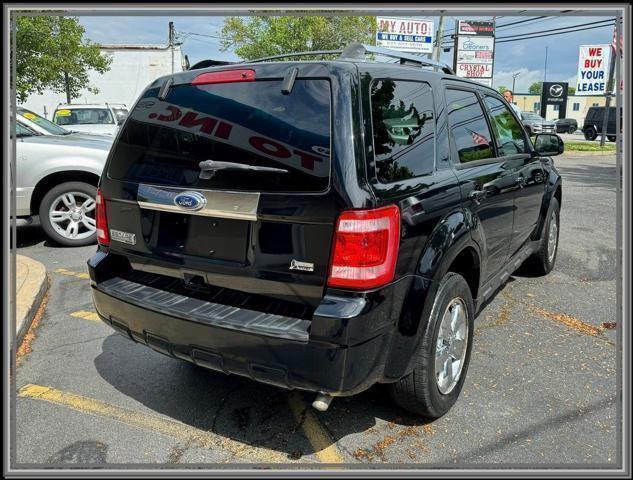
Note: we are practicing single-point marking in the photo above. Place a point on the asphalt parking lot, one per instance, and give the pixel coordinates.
(541, 387)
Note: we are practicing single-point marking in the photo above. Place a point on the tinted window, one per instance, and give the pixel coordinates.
(83, 116)
(468, 126)
(230, 136)
(404, 129)
(508, 133)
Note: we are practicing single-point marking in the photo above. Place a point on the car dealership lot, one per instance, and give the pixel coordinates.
(541, 387)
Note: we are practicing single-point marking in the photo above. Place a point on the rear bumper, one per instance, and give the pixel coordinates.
(342, 350)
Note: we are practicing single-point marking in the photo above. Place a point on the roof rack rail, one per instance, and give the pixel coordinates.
(359, 50)
(297, 54)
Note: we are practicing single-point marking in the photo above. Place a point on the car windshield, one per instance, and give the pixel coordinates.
(47, 125)
(83, 116)
(22, 130)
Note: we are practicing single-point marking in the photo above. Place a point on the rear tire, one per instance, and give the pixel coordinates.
(590, 134)
(611, 138)
(572, 129)
(424, 391)
(81, 195)
(542, 262)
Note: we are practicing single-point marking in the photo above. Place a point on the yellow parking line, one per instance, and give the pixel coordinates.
(86, 315)
(63, 271)
(324, 447)
(170, 428)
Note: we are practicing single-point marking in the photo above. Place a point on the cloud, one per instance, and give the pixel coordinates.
(523, 80)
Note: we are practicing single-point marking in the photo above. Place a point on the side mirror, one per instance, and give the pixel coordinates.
(548, 144)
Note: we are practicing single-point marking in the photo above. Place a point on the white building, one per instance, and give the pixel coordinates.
(133, 67)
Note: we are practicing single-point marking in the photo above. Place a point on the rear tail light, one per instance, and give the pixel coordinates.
(365, 248)
(103, 237)
(225, 76)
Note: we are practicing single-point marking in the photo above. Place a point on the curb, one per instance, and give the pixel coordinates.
(580, 153)
(32, 284)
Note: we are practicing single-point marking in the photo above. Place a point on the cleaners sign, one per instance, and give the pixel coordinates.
(474, 50)
(405, 34)
(593, 69)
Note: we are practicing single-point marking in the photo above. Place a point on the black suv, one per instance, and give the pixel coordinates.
(592, 126)
(321, 225)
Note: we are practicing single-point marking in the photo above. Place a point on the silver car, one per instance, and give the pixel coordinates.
(56, 178)
(534, 124)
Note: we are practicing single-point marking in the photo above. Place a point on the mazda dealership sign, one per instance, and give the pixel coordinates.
(554, 93)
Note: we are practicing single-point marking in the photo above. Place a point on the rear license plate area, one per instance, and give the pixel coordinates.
(201, 236)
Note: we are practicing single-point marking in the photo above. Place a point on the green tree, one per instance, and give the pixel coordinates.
(255, 37)
(571, 90)
(502, 89)
(535, 88)
(51, 52)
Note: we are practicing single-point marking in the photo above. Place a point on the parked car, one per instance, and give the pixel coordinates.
(91, 118)
(56, 178)
(592, 126)
(534, 124)
(254, 220)
(566, 125)
(45, 127)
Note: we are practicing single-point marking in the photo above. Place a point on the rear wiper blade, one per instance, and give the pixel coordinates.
(209, 167)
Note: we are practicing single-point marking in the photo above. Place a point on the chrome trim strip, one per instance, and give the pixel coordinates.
(221, 204)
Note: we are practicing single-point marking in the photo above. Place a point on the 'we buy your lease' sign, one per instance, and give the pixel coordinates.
(593, 69)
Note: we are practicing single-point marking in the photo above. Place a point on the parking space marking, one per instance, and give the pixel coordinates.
(171, 428)
(86, 315)
(63, 271)
(324, 447)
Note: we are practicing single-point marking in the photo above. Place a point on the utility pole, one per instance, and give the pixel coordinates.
(67, 84)
(545, 74)
(171, 44)
(438, 40)
(514, 78)
(608, 93)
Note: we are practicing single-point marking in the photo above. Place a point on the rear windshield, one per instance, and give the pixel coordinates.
(232, 136)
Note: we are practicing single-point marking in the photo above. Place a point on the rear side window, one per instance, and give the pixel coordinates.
(403, 129)
(244, 136)
(468, 126)
(509, 134)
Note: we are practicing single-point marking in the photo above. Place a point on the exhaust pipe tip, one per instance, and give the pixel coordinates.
(322, 402)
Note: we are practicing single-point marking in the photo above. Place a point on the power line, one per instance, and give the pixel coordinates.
(547, 33)
(556, 29)
(558, 33)
(514, 23)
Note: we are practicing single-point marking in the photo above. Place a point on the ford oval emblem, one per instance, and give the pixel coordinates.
(190, 200)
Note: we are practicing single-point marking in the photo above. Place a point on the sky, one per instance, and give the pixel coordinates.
(526, 57)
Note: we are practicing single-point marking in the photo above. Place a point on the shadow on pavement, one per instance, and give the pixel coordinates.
(234, 407)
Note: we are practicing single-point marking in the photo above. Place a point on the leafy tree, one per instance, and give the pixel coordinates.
(255, 37)
(571, 90)
(502, 89)
(51, 52)
(536, 87)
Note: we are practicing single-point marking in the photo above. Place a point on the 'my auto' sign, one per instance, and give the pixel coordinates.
(593, 69)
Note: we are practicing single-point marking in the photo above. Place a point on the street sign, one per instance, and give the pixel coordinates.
(554, 93)
(474, 50)
(593, 69)
(405, 34)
